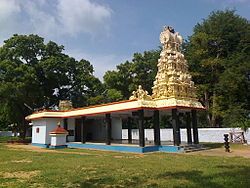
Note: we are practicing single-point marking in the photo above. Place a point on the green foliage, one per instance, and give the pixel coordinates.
(113, 95)
(107, 96)
(236, 116)
(35, 75)
(218, 56)
(166, 121)
(140, 71)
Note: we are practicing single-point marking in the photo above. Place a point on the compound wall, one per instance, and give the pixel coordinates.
(205, 134)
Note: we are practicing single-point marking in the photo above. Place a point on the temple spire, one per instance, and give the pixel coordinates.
(173, 79)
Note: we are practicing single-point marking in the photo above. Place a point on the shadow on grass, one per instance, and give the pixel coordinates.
(195, 177)
(229, 176)
(96, 182)
(213, 145)
(12, 139)
(109, 181)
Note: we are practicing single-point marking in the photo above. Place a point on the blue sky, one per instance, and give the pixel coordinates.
(107, 32)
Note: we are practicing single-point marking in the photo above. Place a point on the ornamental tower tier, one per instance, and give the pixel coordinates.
(173, 79)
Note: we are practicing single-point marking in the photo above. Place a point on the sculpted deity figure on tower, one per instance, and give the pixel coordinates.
(140, 94)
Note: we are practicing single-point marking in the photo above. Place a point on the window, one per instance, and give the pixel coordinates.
(37, 130)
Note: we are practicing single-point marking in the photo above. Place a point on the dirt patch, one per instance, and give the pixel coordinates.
(136, 156)
(221, 152)
(8, 184)
(20, 174)
(22, 161)
(118, 157)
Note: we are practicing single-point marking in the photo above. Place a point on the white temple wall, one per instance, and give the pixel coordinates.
(58, 140)
(205, 134)
(51, 123)
(39, 131)
(45, 126)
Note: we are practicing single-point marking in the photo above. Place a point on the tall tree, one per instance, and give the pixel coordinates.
(218, 55)
(36, 75)
(140, 71)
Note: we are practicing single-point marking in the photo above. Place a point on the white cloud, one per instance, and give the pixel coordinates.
(83, 16)
(59, 18)
(7, 8)
(39, 20)
(9, 11)
(100, 62)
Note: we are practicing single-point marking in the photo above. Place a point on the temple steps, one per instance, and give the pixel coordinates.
(193, 148)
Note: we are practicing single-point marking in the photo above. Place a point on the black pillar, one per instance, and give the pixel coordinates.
(108, 129)
(157, 136)
(83, 130)
(129, 122)
(195, 129)
(141, 128)
(176, 127)
(188, 126)
(65, 126)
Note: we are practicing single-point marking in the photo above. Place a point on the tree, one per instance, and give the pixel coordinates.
(35, 75)
(107, 96)
(218, 55)
(141, 71)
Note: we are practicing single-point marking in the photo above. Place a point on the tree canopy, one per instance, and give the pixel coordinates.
(140, 71)
(35, 75)
(218, 55)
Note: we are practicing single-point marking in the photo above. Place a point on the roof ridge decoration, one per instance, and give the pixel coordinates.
(140, 94)
(65, 105)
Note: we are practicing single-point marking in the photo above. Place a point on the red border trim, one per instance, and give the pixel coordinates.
(128, 109)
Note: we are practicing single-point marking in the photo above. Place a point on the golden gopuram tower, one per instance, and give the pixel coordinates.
(173, 85)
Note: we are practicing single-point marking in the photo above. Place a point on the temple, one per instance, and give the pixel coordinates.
(101, 126)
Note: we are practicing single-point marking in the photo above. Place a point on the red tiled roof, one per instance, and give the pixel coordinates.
(58, 130)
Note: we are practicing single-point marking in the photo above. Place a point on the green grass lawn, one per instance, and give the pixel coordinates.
(88, 168)
(5, 139)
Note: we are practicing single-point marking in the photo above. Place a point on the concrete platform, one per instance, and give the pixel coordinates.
(124, 146)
